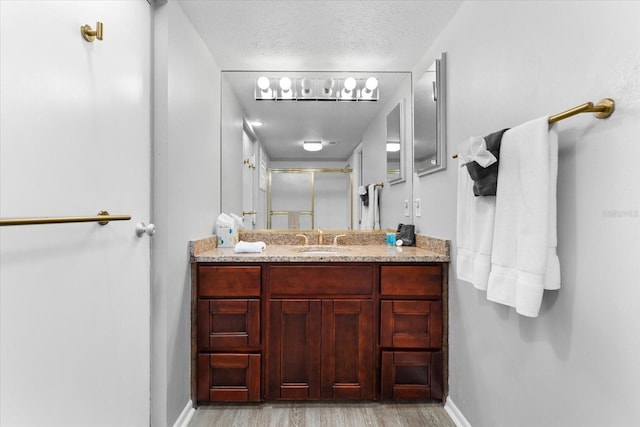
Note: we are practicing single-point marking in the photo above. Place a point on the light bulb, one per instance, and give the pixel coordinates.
(306, 86)
(328, 86)
(371, 84)
(263, 83)
(350, 83)
(285, 84)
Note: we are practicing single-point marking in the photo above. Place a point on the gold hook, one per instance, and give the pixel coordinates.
(90, 34)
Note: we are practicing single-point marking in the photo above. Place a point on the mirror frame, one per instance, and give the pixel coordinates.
(441, 127)
(402, 137)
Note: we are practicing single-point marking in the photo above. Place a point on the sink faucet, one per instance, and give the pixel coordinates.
(306, 239)
(319, 236)
(335, 239)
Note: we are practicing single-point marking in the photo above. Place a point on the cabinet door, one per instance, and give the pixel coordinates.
(411, 375)
(228, 377)
(411, 324)
(293, 370)
(228, 324)
(347, 349)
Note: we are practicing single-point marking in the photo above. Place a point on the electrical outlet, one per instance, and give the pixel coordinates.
(406, 208)
(416, 204)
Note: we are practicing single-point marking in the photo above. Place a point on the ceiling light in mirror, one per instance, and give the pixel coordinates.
(312, 145)
(393, 146)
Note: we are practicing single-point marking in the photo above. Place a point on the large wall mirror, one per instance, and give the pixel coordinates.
(262, 137)
(429, 143)
(395, 144)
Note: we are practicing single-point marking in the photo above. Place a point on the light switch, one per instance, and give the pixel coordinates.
(406, 208)
(417, 207)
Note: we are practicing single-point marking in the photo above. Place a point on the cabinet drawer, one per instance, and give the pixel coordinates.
(228, 324)
(420, 280)
(228, 281)
(411, 375)
(228, 378)
(411, 324)
(321, 280)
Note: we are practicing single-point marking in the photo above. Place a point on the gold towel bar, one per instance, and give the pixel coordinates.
(601, 110)
(380, 185)
(102, 218)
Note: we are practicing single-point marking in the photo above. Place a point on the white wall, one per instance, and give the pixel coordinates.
(576, 364)
(186, 196)
(231, 166)
(74, 139)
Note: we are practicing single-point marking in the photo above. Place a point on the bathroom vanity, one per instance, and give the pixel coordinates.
(352, 322)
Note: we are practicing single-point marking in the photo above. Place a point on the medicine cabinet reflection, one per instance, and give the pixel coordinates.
(429, 134)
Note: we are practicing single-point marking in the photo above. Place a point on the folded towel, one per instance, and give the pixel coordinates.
(249, 247)
(524, 260)
(364, 195)
(294, 220)
(475, 221)
(481, 158)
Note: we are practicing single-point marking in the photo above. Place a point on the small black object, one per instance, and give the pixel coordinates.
(406, 233)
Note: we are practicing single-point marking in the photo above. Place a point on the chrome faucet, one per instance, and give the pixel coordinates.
(319, 236)
(335, 239)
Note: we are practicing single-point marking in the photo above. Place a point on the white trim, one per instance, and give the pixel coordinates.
(186, 415)
(456, 415)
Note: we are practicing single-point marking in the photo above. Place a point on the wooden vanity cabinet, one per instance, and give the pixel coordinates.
(411, 331)
(228, 337)
(318, 331)
(320, 342)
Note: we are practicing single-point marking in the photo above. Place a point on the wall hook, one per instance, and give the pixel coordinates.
(90, 34)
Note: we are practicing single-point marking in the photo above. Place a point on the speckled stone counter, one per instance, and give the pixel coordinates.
(359, 247)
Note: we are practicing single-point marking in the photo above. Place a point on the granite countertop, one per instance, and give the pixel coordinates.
(354, 253)
(428, 250)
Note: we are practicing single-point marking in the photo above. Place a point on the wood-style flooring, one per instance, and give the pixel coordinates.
(322, 414)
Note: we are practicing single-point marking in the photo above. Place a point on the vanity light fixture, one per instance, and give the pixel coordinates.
(312, 145)
(316, 89)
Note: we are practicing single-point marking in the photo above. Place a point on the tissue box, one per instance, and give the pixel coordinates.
(227, 237)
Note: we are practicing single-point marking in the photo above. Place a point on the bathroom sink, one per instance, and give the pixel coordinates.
(321, 250)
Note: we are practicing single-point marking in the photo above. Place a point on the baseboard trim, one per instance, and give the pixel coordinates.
(185, 416)
(456, 415)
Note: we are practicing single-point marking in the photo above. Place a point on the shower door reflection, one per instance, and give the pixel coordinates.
(310, 198)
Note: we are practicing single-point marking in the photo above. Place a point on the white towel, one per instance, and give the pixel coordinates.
(294, 220)
(524, 260)
(371, 213)
(475, 222)
(475, 150)
(249, 247)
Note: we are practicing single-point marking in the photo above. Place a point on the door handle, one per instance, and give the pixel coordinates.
(142, 228)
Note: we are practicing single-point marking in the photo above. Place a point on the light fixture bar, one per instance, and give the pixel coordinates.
(316, 89)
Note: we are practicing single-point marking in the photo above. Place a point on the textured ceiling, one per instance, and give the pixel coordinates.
(314, 35)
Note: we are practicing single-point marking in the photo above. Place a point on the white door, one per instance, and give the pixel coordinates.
(74, 140)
